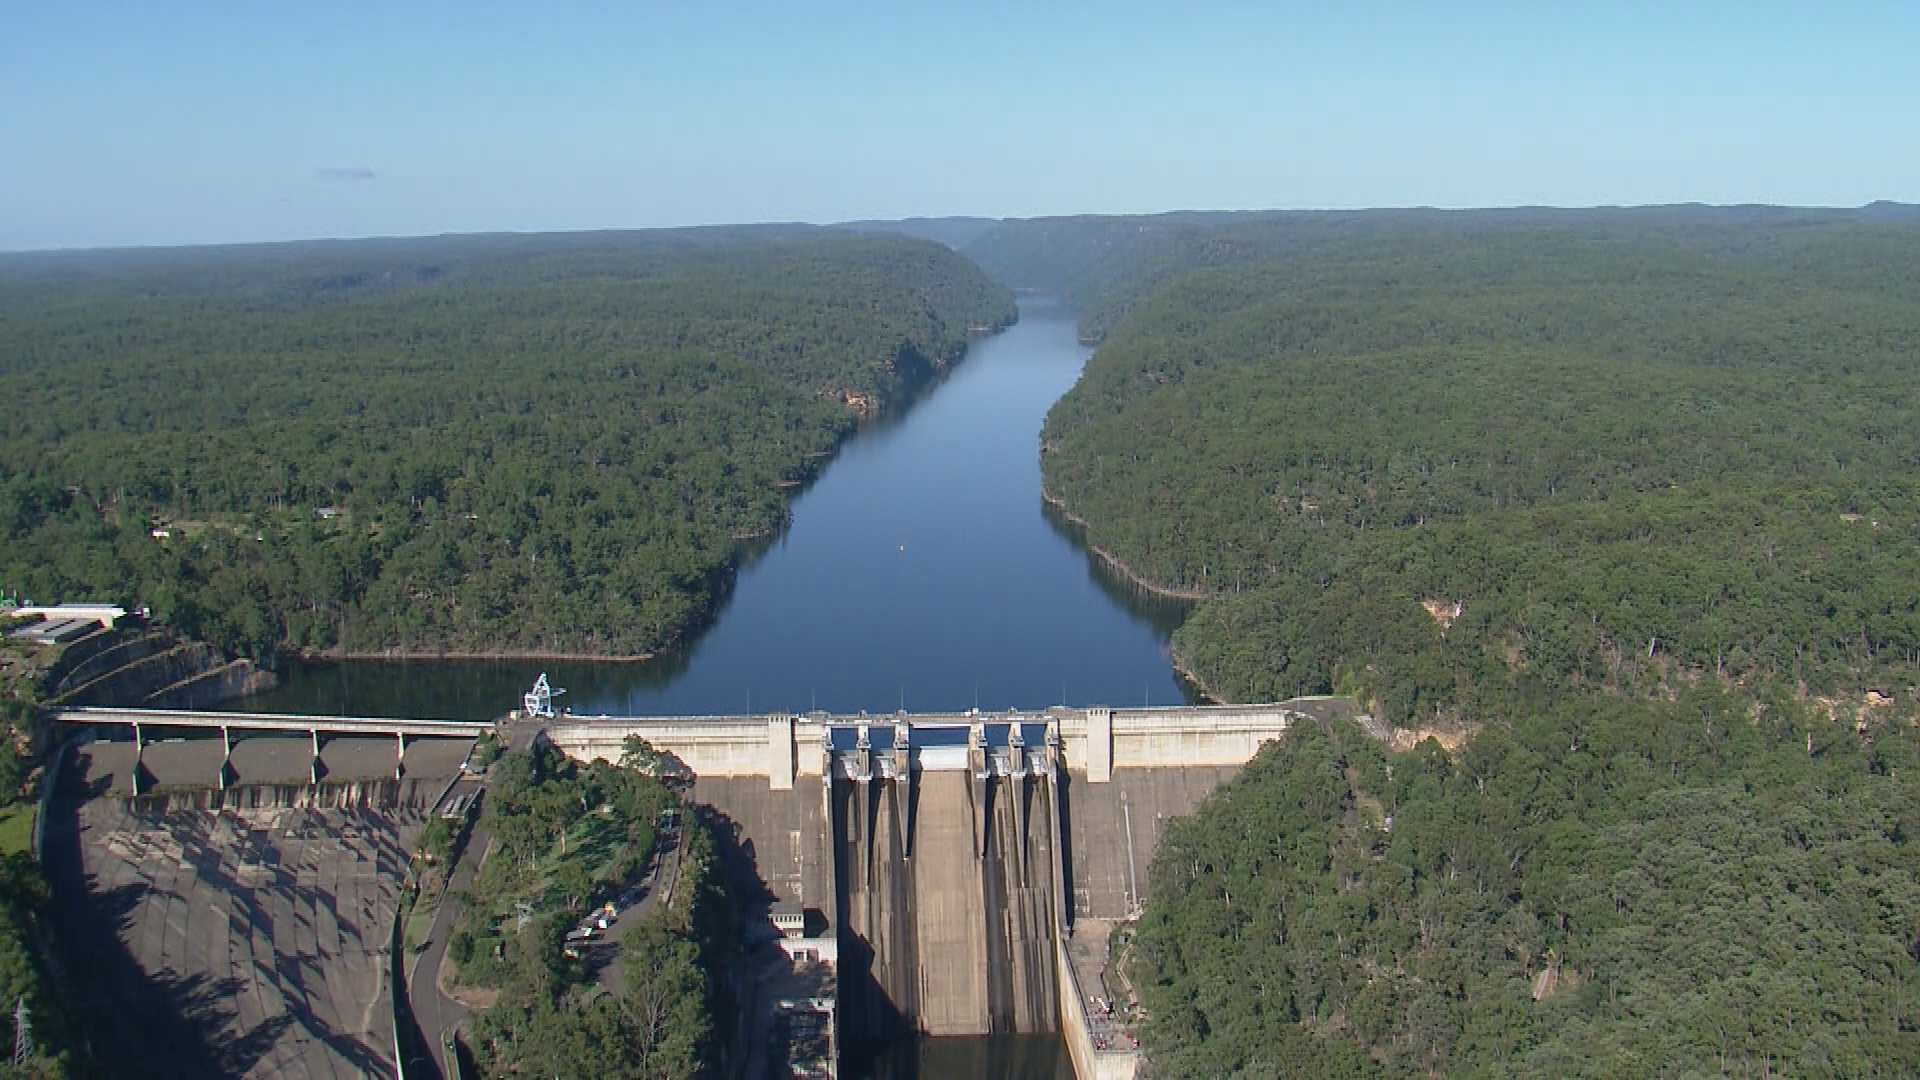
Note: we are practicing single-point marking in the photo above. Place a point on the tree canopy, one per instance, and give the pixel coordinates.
(479, 444)
(1647, 455)
(568, 837)
(1624, 501)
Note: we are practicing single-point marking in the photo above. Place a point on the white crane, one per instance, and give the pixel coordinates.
(539, 700)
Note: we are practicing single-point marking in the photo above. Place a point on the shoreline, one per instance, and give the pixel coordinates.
(1117, 564)
(322, 656)
(1185, 671)
(1139, 581)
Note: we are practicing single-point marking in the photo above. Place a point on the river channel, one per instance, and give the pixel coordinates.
(921, 571)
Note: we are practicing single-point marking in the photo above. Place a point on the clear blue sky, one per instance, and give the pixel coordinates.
(189, 122)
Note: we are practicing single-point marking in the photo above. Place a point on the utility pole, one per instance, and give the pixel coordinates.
(22, 1033)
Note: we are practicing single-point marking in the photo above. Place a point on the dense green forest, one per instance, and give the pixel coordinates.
(480, 444)
(1103, 266)
(568, 837)
(1602, 887)
(1620, 454)
(1098, 265)
(1631, 494)
(23, 900)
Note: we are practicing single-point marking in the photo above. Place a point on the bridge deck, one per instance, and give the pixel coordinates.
(464, 729)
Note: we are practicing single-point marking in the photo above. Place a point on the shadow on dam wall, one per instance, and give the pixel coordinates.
(228, 933)
(946, 907)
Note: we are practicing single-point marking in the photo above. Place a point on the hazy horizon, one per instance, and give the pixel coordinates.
(143, 126)
(850, 222)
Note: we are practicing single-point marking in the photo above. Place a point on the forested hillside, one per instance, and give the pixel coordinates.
(1632, 495)
(1104, 266)
(954, 232)
(1096, 265)
(466, 444)
(1598, 887)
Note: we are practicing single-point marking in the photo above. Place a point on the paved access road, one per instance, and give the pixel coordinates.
(435, 1012)
(657, 882)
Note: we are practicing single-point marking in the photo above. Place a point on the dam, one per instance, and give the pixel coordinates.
(947, 860)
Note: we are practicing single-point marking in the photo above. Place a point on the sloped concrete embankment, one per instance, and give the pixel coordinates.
(240, 931)
(879, 955)
(1020, 891)
(243, 943)
(368, 795)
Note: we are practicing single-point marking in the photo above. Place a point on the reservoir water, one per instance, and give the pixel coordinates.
(921, 571)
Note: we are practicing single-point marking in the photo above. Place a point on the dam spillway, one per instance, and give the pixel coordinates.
(1022, 898)
(948, 888)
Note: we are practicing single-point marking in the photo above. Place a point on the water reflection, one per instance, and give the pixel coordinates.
(1163, 613)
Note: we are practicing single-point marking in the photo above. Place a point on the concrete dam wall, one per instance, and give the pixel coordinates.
(947, 888)
(1022, 887)
(783, 747)
(237, 931)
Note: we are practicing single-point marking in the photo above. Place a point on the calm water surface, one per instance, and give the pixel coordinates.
(920, 572)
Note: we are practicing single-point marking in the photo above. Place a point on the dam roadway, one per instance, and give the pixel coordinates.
(246, 758)
(94, 715)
